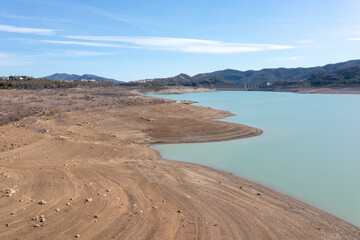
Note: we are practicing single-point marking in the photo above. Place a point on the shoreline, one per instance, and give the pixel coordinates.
(94, 155)
(323, 90)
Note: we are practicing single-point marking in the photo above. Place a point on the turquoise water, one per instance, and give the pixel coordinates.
(310, 148)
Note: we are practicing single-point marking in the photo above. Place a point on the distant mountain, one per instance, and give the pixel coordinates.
(74, 77)
(343, 76)
(183, 80)
(275, 74)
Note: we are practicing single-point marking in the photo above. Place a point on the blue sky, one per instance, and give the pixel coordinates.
(131, 40)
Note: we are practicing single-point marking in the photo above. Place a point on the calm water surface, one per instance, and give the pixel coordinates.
(310, 148)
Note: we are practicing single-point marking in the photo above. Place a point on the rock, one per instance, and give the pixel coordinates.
(155, 207)
(9, 192)
(12, 214)
(7, 225)
(108, 190)
(57, 209)
(88, 200)
(67, 204)
(36, 226)
(179, 211)
(96, 216)
(63, 138)
(259, 194)
(42, 202)
(77, 236)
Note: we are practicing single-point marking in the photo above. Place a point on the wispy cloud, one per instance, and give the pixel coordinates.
(305, 41)
(354, 39)
(118, 17)
(187, 45)
(12, 60)
(91, 44)
(286, 59)
(39, 31)
(13, 16)
(3, 55)
(70, 53)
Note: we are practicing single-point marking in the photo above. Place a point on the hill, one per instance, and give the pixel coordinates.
(272, 75)
(347, 76)
(74, 77)
(183, 80)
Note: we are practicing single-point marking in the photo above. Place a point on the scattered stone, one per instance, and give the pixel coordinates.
(88, 200)
(108, 190)
(155, 207)
(77, 236)
(42, 202)
(96, 216)
(9, 192)
(71, 199)
(7, 225)
(63, 138)
(57, 209)
(36, 226)
(179, 211)
(164, 201)
(67, 204)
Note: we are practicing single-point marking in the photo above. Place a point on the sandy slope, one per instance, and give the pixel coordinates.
(89, 164)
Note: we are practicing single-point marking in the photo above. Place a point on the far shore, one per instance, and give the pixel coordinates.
(77, 162)
(182, 90)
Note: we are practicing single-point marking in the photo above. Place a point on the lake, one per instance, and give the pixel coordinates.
(310, 148)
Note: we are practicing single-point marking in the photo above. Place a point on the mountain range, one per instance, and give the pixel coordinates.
(74, 77)
(343, 73)
(271, 75)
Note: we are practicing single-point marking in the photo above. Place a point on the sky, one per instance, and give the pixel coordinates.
(139, 39)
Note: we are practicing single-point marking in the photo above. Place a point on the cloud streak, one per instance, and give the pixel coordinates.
(89, 44)
(286, 59)
(354, 39)
(38, 31)
(11, 60)
(12, 16)
(70, 53)
(187, 45)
